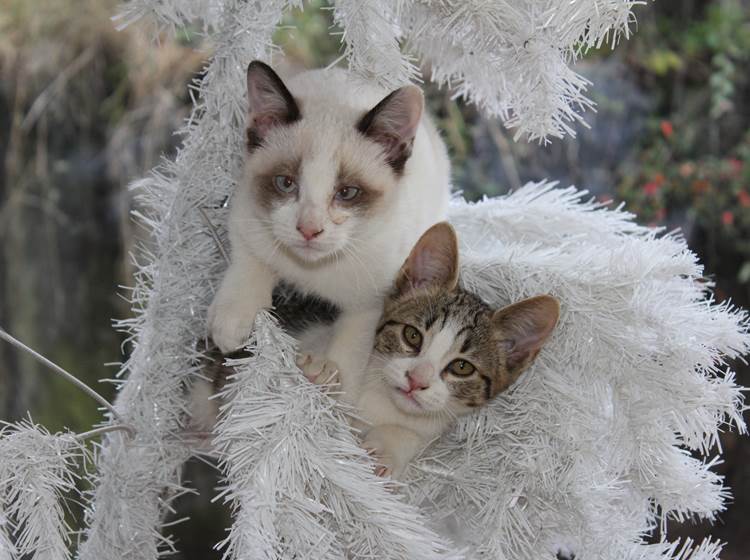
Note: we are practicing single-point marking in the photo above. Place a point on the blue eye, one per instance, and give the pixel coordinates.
(284, 184)
(347, 193)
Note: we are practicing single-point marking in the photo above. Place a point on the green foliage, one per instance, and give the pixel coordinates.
(714, 192)
(663, 61)
(694, 163)
(309, 37)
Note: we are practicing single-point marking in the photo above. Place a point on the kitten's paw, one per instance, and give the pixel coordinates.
(375, 449)
(318, 369)
(230, 321)
(230, 330)
(392, 447)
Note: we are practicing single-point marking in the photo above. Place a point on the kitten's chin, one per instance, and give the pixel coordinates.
(308, 253)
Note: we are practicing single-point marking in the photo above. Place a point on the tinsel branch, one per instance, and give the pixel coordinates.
(511, 58)
(8, 550)
(37, 469)
(372, 37)
(137, 479)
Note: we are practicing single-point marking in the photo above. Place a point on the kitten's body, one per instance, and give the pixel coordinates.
(439, 353)
(325, 133)
(418, 199)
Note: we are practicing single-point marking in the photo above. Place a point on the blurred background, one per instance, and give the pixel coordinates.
(85, 109)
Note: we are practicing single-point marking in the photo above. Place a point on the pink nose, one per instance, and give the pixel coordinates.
(309, 232)
(415, 384)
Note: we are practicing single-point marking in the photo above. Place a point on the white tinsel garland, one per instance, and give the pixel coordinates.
(36, 470)
(173, 287)
(8, 550)
(510, 57)
(372, 37)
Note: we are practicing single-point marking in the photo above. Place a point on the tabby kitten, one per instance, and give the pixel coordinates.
(440, 352)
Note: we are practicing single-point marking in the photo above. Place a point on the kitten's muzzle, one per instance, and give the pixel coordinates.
(409, 396)
(419, 376)
(415, 384)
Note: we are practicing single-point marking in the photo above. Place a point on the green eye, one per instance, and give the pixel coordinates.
(461, 368)
(412, 337)
(284, 184)
(347, 193)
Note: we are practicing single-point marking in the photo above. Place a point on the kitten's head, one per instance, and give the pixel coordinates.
(318, 169)
(441, 348)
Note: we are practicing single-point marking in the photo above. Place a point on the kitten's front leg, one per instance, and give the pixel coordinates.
(393, 447)
(350, 348)
(245, 289)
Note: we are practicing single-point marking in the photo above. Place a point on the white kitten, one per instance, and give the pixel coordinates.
(340, 181)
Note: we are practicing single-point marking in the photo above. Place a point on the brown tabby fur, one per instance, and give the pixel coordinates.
(477, 340)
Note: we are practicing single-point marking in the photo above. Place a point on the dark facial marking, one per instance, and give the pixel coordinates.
(384, 325)
(253, 140)
(463, 390)
(487, 386)
(429, 321)
(402, 148)
(263, 121)
(390, 342)
(368, 196)
(446, 313)
(266, 192)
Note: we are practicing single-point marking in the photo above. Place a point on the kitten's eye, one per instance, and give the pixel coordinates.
(347, 193)
(461, 367)
(412, 337)
(284, 184)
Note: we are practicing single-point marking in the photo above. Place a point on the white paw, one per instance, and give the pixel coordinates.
(231, 320)
(318, 369)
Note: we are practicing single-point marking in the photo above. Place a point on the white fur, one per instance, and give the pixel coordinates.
(354, 261)
(435, 355)
(403, 424)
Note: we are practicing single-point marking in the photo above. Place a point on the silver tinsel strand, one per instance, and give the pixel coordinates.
(295, 476)
(37, 469)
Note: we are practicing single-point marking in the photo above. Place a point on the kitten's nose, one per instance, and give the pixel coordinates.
(417, 380)
(308, 231)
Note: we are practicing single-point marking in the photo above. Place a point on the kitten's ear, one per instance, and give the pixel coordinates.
(523, 328)
(432, 262)
(269, 103)
(393, 124)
